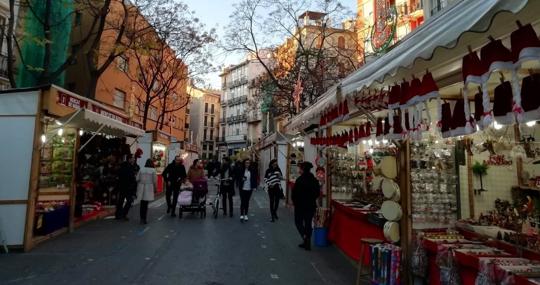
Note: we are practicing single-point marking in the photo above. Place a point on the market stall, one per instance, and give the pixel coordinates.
(463, 119)
(58, 139)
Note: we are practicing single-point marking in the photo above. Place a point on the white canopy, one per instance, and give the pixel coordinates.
(92, 121)
(462, 24)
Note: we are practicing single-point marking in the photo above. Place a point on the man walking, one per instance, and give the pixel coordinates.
(127, 187)
(173, 175)
(305, 193)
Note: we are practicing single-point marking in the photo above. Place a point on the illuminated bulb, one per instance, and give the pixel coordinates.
(531, 124)
(57, 122)
(364, 142)
(384, 141)
(477, 128)
(436, 142)
(497, 126)
(60, 132)
(371, 151)
(43, 138)
(81, 132)
(63, 140)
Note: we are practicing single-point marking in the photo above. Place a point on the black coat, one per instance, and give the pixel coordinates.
(127, 178)
(174, 173)
(227, 186)
(240, 177)
(305, 192)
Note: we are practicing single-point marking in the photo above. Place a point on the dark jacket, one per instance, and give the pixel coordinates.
(305, 192)
(240, 177)
(228, 185)
(127, 178)
(174, 173)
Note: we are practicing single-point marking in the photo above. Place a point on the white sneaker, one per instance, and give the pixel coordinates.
(241, 218)
(245, 218)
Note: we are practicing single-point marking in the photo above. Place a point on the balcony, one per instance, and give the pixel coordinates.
(237, 82)
(237, 101)
(236, 119)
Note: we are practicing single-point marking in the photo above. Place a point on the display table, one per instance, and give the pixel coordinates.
(348, 226)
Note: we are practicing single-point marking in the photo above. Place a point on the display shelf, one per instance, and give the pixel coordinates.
(54, 191)
(524, 187)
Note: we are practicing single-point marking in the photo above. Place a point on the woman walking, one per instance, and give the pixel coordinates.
(147, 186)
(273, 178)
(247, 182)
(196, 171)
(305, 193)
(226, 176)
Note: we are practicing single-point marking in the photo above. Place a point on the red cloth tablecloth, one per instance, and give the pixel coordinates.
(348, 226)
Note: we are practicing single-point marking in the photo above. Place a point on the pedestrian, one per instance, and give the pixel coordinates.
(272, 178)
(305, 192)
(196, 171)
(226, 177)
(127, 187)
(247, 182)
(147, 186)
(174, 174)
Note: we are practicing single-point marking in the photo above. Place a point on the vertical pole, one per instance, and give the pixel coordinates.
(470, 178)
(404, 161)
(28, 242)
(73, 192)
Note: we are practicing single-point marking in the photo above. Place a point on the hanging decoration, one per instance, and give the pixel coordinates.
(385, 25)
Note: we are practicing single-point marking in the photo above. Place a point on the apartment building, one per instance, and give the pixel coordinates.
(239, 106)
(117, 88)
(205, 109)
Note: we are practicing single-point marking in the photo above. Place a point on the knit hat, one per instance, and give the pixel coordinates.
(502, 106)
(429, 89)
(530, 101)
(525, 44)
(446, 120)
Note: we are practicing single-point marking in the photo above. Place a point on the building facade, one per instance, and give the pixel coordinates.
(117, 86)
(240, 116)
(205, 109)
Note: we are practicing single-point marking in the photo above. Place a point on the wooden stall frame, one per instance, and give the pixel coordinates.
(404, 168)
(28, 241)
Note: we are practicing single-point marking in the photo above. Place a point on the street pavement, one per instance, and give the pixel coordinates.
(184, 251)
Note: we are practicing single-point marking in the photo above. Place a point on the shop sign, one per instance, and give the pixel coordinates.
(111, 115)
(70, 101)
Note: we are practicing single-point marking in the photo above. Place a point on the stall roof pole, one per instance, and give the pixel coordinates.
(92, 137)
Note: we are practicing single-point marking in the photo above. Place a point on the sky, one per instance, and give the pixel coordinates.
(215, 14)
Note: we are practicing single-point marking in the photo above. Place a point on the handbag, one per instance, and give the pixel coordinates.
(281, 194)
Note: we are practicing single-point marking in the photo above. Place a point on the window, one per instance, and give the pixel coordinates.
(152, 113)
(211, 134)
(211, 147)
(204, 136)
(119, 99)
(206, 107)
(78, 18)
(205, 121)
(237, 132)
(212, 109)
(212, 121)
(186, 125)
(122, 63)
(341, 42)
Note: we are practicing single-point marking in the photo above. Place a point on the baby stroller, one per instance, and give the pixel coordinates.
(192, 198)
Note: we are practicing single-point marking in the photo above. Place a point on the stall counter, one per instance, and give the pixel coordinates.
(348, 226)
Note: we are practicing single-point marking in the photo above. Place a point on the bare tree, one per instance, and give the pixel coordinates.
(176, 52)
(310, 52)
